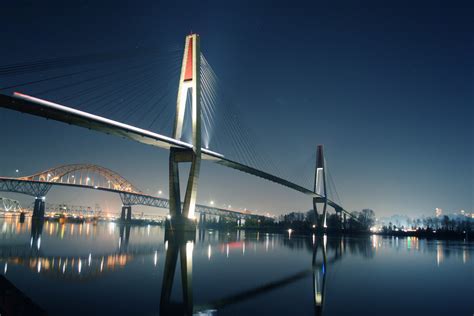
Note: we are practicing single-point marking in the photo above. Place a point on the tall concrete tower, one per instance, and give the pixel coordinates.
(189, 85)
(320, 186)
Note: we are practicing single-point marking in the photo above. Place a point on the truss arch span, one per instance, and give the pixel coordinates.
(85, 174)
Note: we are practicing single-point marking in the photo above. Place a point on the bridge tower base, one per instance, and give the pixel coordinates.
(38, 209)
(181, 225)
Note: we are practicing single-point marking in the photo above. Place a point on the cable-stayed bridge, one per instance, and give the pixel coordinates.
(192, 132)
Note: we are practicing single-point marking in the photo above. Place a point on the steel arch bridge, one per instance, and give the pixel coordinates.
(90, 176)
(69, 174)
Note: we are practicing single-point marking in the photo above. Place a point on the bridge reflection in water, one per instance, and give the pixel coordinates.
(90, 266)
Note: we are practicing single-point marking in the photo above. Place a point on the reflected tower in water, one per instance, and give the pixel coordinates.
(319, 275)
(36, 231)
(176, 245)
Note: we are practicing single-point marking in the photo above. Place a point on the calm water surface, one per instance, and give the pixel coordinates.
(108, 269)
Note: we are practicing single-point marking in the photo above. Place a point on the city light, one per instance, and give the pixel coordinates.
(212, 202)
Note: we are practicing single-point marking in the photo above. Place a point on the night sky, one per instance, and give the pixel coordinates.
(386, 86)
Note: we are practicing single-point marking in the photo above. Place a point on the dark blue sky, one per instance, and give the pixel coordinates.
(386, 86)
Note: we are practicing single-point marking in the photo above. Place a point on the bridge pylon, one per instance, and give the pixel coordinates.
(182, 217)
(320, 188)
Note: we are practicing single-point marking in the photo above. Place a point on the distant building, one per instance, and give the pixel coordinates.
(438, 212)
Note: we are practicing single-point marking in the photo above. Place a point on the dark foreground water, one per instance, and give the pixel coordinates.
(106, 269)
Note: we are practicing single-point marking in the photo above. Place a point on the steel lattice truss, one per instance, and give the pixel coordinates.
(39, 184)
(147, 200)
(10, 205)
(89, 174)
(140, 199)
(36, 189)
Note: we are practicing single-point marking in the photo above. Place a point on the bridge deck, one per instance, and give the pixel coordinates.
(146, 199)
(38, 107)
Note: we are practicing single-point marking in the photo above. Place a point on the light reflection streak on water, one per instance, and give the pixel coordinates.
(98, 264)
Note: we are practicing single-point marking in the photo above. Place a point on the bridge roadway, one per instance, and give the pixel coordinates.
(129, 198)
(49, 110)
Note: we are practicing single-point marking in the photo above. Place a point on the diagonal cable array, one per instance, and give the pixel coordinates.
(233, 137)
(332, 194)
(136, 86)
(139, 87)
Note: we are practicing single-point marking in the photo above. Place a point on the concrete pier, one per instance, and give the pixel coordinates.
(126, 214)
(39, 208)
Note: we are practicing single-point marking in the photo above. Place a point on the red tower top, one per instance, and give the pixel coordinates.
(188, 73)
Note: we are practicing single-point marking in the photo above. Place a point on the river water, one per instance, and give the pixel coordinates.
(109, 269)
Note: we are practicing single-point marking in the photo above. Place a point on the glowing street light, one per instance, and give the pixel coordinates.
(212, 202)
(160, 192)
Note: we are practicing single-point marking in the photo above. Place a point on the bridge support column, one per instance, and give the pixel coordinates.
(126, 214)
(202, 220)
(182, 217)
(38, 208)
(22, 217)
(344, 225)
(129, 213)
(122, 215)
